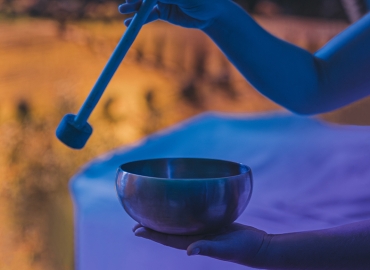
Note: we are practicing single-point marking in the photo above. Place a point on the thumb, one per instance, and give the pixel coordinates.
(208, 248)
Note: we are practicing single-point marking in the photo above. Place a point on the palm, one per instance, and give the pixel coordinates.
(238, 243)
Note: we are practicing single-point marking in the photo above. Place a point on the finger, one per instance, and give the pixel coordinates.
(211, 249)
(137, 226)
(154, 15)
(129, 7)
(175, 241)
(127, 21)
(132, 1)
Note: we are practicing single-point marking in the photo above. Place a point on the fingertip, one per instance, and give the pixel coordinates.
(127, 22)
(136, 226)
(129, 7)
(193, 251)
(199, 248)
(141, 232)
(195, 248)
(124, 8)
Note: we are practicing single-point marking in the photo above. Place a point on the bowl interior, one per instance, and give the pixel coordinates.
(184, 168)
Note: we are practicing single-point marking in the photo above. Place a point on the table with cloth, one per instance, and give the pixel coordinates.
(308, 175)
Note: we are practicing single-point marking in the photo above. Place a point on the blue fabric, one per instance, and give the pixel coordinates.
(307, 175)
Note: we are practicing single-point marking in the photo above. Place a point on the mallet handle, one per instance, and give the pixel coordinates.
(114, 62)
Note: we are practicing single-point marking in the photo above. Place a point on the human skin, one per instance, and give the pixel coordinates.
(305, 83)
(343, 247)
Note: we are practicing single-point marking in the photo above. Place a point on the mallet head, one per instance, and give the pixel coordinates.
(72, 135)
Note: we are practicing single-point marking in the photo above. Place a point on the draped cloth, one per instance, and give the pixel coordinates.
(307, 175)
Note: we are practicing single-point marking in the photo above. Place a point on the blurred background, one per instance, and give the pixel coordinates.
(51, 53)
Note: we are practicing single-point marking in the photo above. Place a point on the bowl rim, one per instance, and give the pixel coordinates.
(248, 169)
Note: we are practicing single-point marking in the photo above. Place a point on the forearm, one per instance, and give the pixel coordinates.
(344, 247)
(286, 74)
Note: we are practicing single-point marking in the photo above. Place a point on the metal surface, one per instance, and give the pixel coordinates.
(184, 195)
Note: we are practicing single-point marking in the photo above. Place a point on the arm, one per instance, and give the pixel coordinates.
(344, 247)
(336, 75)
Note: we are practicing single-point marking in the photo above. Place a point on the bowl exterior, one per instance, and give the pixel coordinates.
(184, 206)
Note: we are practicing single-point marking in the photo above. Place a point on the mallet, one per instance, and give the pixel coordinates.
(74, 130)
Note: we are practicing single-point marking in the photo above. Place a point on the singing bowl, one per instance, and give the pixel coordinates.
(184, 196)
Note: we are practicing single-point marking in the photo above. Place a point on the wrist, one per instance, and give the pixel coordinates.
(229, 23)
(222, 10)
(263, 256)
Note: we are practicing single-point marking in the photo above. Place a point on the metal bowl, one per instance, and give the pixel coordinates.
(184, 195)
